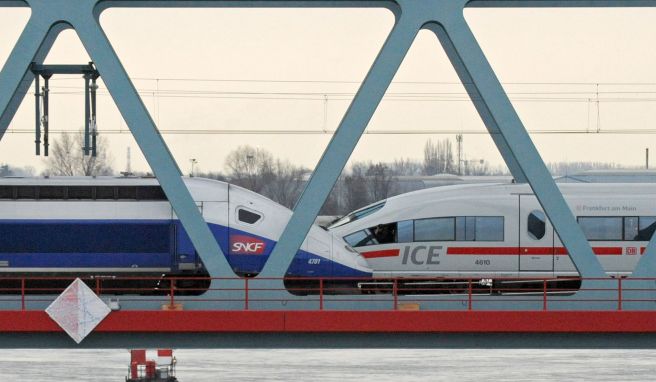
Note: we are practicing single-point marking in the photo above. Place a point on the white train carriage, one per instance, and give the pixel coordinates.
(498, 231)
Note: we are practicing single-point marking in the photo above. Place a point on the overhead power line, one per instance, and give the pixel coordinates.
(322, 81)
(330, 132)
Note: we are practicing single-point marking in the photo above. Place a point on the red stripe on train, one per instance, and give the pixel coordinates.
(381, 253)
(526, 251)
(512, 251)
(600, 251)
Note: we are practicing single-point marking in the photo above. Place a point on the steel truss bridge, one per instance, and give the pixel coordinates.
(274, 315)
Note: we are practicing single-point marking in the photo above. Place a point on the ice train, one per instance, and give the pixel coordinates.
(496, 231)
(118, 226)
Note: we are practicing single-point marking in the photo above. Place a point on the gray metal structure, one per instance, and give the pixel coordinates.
(445, 18)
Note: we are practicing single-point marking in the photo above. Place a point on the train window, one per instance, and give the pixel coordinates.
(465, 228)
(470, 228)
(460, 228)
(248, 217)
(359, 214)
(26, 192)
(150, 193)
(405, 231)
(52, 192)
(602, 228)
(360, 238)
(105, 192)
(80, 192)
(439, 229)
(6, 192)
(127, 192)
(489, 228)
(384, 233)
(536, 224)
(631, 228)
(647, 227)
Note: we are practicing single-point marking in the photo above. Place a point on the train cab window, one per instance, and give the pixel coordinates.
(602, 228)
(437, 229)
(536, 224)
(248, 217)
(646, 228)
(359, 214)
(384, 233)
(489, 228)
(360, 239)
(405, 231)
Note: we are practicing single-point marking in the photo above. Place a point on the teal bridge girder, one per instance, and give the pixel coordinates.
(445, 18)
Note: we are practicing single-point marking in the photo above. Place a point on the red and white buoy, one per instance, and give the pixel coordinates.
(148, 366)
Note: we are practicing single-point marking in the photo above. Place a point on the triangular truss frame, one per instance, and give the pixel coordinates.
(443, 17)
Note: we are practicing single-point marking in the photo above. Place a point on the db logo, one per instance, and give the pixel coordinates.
(631, 251)
(246, 245)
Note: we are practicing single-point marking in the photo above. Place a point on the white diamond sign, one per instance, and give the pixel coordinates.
(78, 310)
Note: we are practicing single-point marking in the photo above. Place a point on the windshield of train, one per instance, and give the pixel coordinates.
(359, 214)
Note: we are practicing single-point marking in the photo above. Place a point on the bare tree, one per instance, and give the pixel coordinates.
(431, 158)
(380, 181)
(286, 184)
(405, 167)
(355, 188)
(61, 160)
(250, 167)
(438, 157)
(67, 157)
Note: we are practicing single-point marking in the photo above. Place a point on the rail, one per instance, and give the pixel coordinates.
(327, 293)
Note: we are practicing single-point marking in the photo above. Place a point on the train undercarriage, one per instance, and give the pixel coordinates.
(195, 284)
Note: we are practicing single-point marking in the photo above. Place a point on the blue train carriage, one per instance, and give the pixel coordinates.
(124, 227)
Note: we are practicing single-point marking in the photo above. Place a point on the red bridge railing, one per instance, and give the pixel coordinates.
(402, 293)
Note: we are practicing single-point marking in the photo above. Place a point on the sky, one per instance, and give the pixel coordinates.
(216, 70)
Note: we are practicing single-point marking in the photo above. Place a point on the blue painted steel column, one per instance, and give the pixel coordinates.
(481, 107)
(33, 45)
(345, 139)
(450, 17)
(150, 141)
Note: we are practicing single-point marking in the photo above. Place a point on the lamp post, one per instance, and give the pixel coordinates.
(193, 163)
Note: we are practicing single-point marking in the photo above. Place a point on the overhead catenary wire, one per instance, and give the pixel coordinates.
(330, 132)
(595, 96)
(325, 81)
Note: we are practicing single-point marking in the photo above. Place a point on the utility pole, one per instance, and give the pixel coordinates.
(459, 142)
(128, 167)
(647, 158)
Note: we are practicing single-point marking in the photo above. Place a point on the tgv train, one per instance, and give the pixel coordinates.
(496, 231)
(125, 226)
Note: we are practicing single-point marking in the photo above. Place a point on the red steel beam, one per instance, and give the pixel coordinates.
(343, 321)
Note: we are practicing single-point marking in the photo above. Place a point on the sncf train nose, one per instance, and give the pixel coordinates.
(348, 262)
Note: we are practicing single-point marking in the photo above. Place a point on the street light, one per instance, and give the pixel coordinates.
(193, 162)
